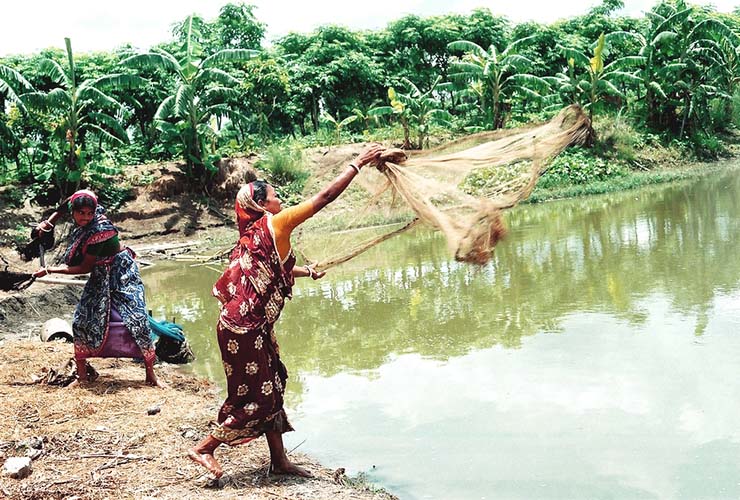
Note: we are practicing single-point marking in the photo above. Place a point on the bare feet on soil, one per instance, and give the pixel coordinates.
(207, 460)
(289, 468)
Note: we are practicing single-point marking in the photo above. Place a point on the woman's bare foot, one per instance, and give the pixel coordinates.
(207, 460)
(155, 382)
(289, 468)
(151, 379)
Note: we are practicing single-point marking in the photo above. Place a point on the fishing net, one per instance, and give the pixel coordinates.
(460, 189)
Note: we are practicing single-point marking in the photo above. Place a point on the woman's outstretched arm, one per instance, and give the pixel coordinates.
(340, 183)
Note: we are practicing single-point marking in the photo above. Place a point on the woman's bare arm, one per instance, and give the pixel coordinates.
(85, 267)
(340, 183)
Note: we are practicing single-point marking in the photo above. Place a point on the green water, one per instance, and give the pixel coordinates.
(595, 357)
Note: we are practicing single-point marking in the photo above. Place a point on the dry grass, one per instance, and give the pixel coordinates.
(99, 442)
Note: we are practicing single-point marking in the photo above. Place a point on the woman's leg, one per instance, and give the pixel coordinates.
(279, 459)
(151, 377)
(202, 454)
(81, 369)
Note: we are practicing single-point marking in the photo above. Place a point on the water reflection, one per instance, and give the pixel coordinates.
(593, 357)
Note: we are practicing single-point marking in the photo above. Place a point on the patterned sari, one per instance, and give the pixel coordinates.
(253, 290)
(114, 283)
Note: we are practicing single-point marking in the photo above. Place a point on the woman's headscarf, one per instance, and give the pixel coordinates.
(98, 229)
(247, 210)
(82, 193)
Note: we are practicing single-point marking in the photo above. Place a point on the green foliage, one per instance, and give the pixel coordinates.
(285, 172)
(495, 78)
(707, 146)
(672, 75)
(588, 80)
(12, 196)
(579, 166)
(79, 111)
(188, 117)
(416, 111)
(617, 139)
(630, 180)
(338, 124)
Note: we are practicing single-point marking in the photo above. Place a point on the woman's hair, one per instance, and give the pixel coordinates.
(82, 202)
(259, 191)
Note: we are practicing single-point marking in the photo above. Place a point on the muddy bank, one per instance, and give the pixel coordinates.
(100, 441)
(23, 313)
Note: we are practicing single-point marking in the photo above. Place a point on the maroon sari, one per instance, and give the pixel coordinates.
(253, 290)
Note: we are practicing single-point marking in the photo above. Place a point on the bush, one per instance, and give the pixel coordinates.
(579, 166)
(286, 174)
(616, 138)
(707, 146)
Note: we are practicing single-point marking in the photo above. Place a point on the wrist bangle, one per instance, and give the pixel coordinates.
(311, 272)
(357, 169)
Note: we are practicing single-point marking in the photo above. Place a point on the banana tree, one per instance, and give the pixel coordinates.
(685, 64)
(589, 80)
(12, 84)
(338, 124)
(202, 92)
(415, 110)
(77, 109)
(496, 77)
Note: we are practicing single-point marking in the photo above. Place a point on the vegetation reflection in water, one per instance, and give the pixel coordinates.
(636, 278)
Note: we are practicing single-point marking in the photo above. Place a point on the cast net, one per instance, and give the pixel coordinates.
(460, 189)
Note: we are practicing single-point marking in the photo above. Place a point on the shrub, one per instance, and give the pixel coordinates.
(579, 166)
(616, 138)
(283, 166)
(707, 146)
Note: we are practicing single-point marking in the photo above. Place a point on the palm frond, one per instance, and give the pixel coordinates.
(152, 60)
(110, 137)
(215, 75)
(111, 124)
(183, 100)
(166, 109)
(121, 81)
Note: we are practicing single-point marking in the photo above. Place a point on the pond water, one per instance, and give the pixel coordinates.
(595, 356)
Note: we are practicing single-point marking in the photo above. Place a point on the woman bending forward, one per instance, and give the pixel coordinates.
(110, 320)
(252, 291)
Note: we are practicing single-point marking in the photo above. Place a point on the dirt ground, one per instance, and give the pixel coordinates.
(99, 441)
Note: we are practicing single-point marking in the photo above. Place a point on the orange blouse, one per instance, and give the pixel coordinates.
(285, 221)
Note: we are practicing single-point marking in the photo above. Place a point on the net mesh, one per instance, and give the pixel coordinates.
(459, 189)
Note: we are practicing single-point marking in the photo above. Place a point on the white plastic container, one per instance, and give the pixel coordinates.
(56, 329)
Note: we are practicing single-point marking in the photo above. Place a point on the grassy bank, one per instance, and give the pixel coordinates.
(631, 180)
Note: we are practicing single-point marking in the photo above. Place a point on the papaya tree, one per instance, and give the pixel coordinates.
(201, 93)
